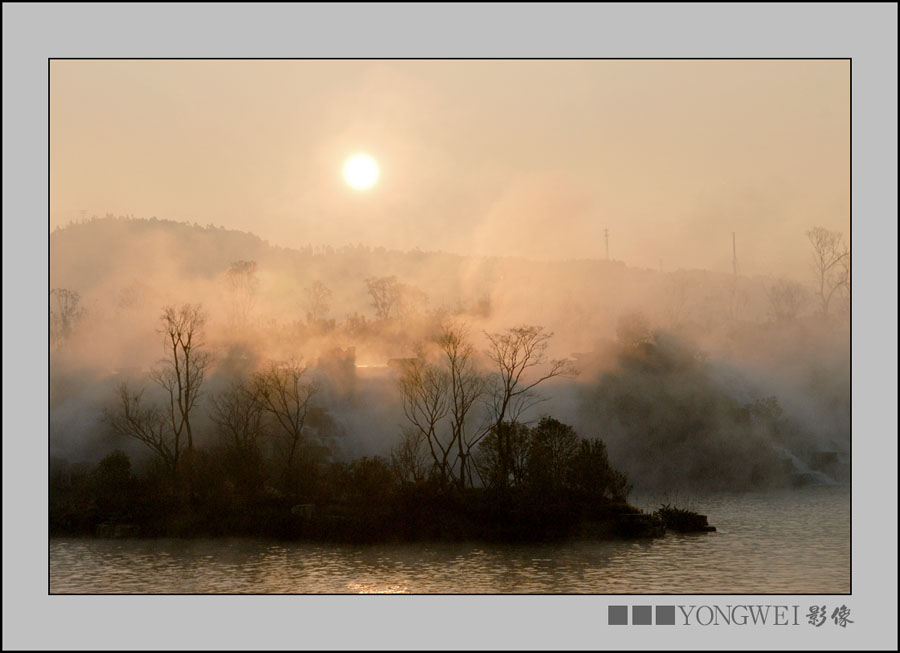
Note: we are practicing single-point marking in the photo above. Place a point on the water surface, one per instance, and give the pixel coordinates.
(787, 542)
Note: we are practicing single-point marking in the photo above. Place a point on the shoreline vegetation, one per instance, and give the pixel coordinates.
(366, 501)
(567, 488)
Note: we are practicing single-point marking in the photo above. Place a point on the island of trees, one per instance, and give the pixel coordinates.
(465, 466)
(255, 452)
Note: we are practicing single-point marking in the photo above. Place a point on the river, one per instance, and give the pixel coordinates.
(780, 542)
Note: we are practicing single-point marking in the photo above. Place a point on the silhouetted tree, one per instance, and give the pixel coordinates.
(355, 325)
(785, 299)
(182, 372)
(113, 485)
(519, 356)
(512, 469)
(411, 303)
(134, 295)
(590, 475)
(243, 286)
(467, 385)
(410, 458)
(386, 295)
(238, 413)
(424, 393)
(147, 424)
(831, 264)
(65, 315)
(371, 485)
(440, 389)
(317, 299)
(767, 413)
(552, 449)
(285, 392)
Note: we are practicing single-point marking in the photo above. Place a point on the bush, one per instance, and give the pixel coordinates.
(551, 461)
(591, 476)
(112, 487)
(551, 455)
(681, 520)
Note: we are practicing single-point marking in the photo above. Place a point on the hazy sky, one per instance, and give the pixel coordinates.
(531, 158)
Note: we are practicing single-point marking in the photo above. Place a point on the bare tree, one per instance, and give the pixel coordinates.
(831, 264)
(386, 294)
(517, 445)
(67, 313)
(182, 372)
(467, 385)
(134, 295)
(147, 424)
(410, 457)
(424, 392)
(516, 353)
(243, 286)
(440, 390)
(519, 355)
(786, 298)
(286, 394)
(317, 301)
(167, 430)
(238, 413)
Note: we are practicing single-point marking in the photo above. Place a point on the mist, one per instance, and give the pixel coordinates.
(673, 370)
(657, 220)
(531, 159)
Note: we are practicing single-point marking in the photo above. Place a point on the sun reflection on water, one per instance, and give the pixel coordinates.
(366, 588)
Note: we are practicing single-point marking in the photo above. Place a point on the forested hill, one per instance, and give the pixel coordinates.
(106, 259)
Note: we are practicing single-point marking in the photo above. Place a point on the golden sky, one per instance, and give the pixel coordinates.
(530, 158)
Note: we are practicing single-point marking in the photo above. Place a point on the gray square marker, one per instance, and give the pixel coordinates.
(618, 615)
(665, 615)
(641, 615)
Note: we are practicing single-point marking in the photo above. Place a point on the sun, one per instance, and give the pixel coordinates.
(361, 171)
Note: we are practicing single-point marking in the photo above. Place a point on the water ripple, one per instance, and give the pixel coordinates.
(793, 543)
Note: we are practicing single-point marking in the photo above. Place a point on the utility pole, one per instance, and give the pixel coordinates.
(606, 236)
(733, 255)
(734, 280)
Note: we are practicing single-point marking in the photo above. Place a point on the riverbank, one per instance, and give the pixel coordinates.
(412, 513)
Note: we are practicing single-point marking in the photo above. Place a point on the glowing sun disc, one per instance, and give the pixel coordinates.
(361, 171)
